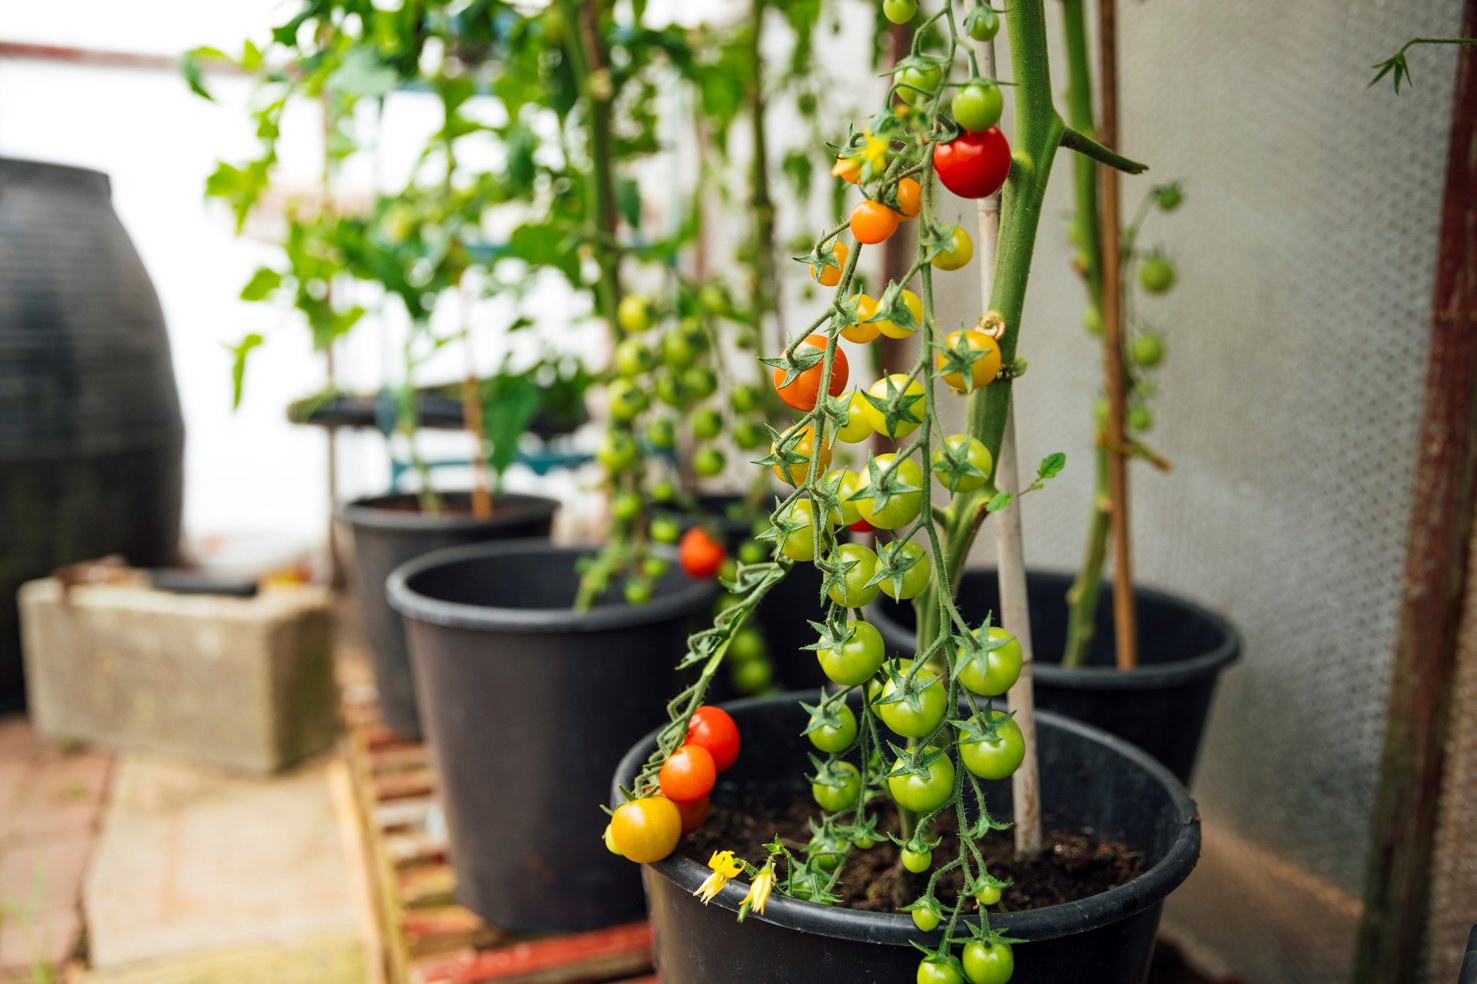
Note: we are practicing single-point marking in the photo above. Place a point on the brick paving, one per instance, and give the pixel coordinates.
(51, 802)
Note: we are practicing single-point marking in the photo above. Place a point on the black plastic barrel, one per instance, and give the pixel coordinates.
(529, 706)
(1088, 777)
(91, 439)
(388, 530)
(1161, 706)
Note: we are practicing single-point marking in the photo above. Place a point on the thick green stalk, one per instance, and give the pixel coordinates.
(1087, 222)
(1038, 133)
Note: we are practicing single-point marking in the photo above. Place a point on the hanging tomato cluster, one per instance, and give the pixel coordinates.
(647, 828)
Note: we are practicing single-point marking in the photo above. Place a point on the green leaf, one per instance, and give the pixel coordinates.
(362, 74)
(262, 283)
(506, 416)
(999, 501)
(191, 67)
(1051, 466)
(239, 352)
(628, 201)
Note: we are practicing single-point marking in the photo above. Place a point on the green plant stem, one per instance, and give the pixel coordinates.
(765, 296)
(1038, 133)
(1083, 594)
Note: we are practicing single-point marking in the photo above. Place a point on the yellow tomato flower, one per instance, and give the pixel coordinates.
(873, 152)
(759, 891)
(725, 866)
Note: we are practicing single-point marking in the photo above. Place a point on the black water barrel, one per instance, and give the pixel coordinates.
(91, 439)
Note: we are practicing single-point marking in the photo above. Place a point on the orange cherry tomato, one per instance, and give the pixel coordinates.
(872, 222)
(909, 198)
(804, 389)
(830, 276)
(982, 371)
(693, 814)
(700, 554)
(688, 774)
(795, 471)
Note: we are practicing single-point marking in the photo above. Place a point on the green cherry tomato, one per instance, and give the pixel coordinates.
(1146, 350)
(857, 427)
(983, 23)
(626, 399)
(977, 105)
(988, 894)
(617, 452)
(799, 543)
(746, 399)
(899, 11)
(1092, 320)
(915, 77)
(708, 462)
(662, 434)
(751, 552)
(901, 508)
(923, 794)
(699, 382)
(931, 970)
(857, 659)
(707, 423)
(713, 299)
(917, 861)
(898, 554)
(625, 506)
(654, 567)
(1156, 275)
(836, 737)
(638, 592)
(1140, 418)
(976, 455)
(633, 358)
(926, 920)
(858, 564)
(847, 483)
(751, 677)
(668, 390)
(634, 313)
(997, 758)
(993, 673)
(837, 786)
(665, 529)
(988, 963)
(677, 350)
(1169, 197)
(747, 644)
(749, 435)
(663, 491)
(908, 721)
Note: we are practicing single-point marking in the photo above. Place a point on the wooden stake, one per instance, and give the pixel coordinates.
(1015, 609)
(1407, 802)
(1124, 621)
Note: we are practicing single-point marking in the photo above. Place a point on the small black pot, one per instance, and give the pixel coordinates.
(785, 614)
(528, 705)
(1161, 706)
(388, 530)
(1100, 782)
(1468, 974)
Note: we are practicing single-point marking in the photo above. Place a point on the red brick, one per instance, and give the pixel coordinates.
(48, 937)
(64, 796)
(47, 875)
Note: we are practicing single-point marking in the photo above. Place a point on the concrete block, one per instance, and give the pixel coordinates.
(245, 683)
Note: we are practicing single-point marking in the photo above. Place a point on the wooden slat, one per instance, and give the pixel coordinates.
(593, 956)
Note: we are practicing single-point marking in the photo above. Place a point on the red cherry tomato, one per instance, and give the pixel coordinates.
(862, 526)
(688, 774)
(713, 729)
(804, 388)
(693, 814)
(974, 165)
(701, 555)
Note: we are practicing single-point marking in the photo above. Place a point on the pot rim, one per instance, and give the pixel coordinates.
(1148, 889)
(368, 512)
(487, 618)
(1151, 676)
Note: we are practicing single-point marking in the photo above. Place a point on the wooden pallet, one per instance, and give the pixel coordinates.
(428, 938)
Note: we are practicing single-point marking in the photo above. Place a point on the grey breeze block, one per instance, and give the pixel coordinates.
(245, 683)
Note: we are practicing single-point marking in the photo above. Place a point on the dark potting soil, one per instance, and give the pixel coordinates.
(1074, 862)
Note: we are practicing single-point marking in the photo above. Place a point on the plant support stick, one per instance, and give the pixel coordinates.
(1015, 611)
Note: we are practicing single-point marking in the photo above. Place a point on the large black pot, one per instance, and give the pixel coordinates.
(529, 705)
(388, 530)
(1161, 706)
(91, 439)
(785, 614)
(1087, 775)
(1468, 973)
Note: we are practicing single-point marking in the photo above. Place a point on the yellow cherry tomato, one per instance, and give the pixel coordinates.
(959, 252)
(797, 470)
(914, 305)
(861, 330)
(982, 371)
(910, 398)
(857, 427)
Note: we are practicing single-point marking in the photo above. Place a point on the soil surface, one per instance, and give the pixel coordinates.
(1073, 865)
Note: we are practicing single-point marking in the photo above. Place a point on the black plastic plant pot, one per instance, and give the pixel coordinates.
(1087, 775)
(389, 530)
(1468, 972)
(528, 706)
(785, 614)
(1161, 706)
